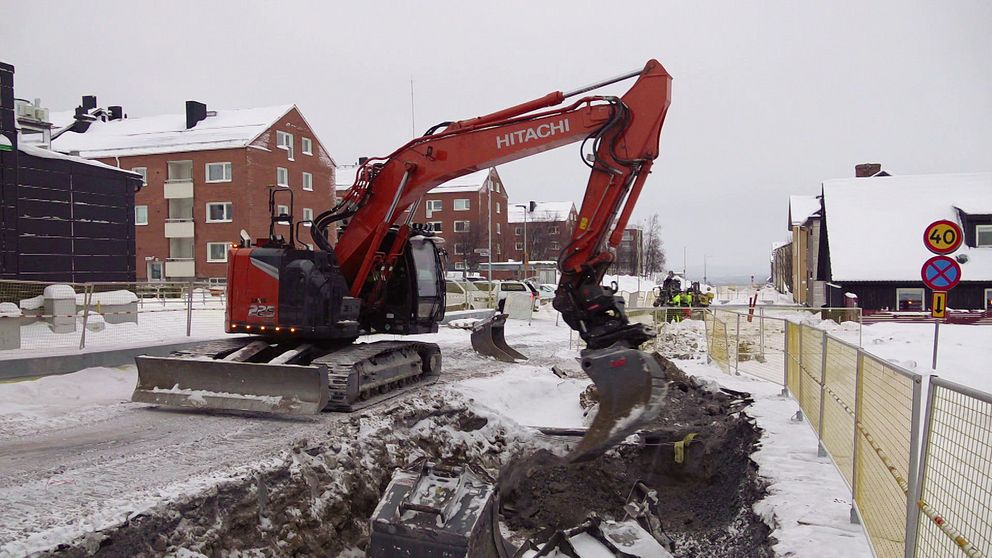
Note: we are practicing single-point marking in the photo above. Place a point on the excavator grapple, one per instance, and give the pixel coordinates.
(489, 339)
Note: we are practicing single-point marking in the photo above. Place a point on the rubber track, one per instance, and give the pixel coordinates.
(341, 365)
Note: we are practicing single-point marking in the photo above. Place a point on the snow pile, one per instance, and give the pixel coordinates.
(530, 395)
(108, 298)
(33, 405)
(32, 303)
(9, 310)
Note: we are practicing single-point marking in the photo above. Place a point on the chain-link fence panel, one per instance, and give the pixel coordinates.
(64, 318)
(717, 341)
(839, 401)
(886, 445)
(956, 490)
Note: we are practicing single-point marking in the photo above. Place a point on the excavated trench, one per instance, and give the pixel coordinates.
(317, 499)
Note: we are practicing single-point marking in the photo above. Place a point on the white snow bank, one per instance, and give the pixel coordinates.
(33, 303)
(9, 310)
(52, 397)
(529, 395)
(108, 298)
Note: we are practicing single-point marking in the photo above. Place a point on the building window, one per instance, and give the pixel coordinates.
(517, 231)
(496, 186)
(220, 212)
(307, 216)
(141, 215)
(497, 208)
(461, 205)
(180, 171)
(282, 210)
(306, 146)
(554, 229)
(143, 171)
(627, 235)
(461, 226)
(437, 226)
(435, 205)
(554, 245)
(909, 300)
(308, 182)
(499, 249)
(518, 246)
(218, 172)
(460, 265)
(285, 141)
(459, 248)
(217, 252)
(988, 299)
(983, 235)
(497, 229)
(282, 177)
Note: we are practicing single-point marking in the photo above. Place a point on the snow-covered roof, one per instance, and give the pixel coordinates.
(468, 183)
(344, 176)
(35, 151)
(875, 225)
(167, 133)
(544, 212)
(802, 208)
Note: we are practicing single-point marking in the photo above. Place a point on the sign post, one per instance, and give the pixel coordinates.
(940, 273)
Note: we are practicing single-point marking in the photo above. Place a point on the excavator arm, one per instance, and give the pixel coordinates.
(623, 134)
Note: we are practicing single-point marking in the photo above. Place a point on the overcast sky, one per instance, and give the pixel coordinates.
(769, 98)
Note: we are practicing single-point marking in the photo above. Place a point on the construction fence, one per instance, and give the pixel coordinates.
(915, 500)
(41, 317)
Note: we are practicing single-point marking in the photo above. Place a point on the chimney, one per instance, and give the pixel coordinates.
(116, 112)
(89, 102)
(195, 112)
(865, 170)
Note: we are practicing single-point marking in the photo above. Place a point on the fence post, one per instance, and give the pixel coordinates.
(915, 471)
(801, 371)
(189, 309)
(761, 331)
(856, 458)
(737, 348)
(785, 359)
(821, 450)
(87, 297)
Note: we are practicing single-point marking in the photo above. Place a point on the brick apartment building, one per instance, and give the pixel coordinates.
(207, 176)
(630, 253)
(548, 227)
(461, 212)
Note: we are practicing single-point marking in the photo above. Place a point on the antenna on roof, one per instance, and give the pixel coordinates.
(413, 117)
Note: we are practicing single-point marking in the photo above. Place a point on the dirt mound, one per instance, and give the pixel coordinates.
(706, 494)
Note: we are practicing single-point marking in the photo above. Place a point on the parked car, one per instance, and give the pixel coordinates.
(504, 288)
(546, 292)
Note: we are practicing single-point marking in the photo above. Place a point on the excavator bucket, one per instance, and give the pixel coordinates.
(631, 385)
(221, 384)
(488, 339)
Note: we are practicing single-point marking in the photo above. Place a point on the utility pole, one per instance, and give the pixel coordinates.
(489, 196)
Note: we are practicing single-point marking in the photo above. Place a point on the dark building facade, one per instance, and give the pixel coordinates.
(65, 219)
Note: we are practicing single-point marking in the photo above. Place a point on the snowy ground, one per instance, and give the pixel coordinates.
(78, 457)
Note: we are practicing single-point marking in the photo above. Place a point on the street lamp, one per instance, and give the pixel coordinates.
(528, 207)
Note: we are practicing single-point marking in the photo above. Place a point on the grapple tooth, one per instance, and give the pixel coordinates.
(221, 384)
(632, 387)
(488, 339)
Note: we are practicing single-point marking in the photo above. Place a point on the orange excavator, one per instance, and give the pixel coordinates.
(305, 308)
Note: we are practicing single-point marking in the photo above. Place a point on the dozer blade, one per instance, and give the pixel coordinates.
(488, 339)
(224, 384)
(632, 387)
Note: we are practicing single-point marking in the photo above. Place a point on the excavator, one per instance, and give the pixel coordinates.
(302, 310)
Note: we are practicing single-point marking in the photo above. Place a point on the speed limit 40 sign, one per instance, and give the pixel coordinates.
(942, 237)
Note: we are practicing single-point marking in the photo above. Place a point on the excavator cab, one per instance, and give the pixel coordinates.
(414, 295)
